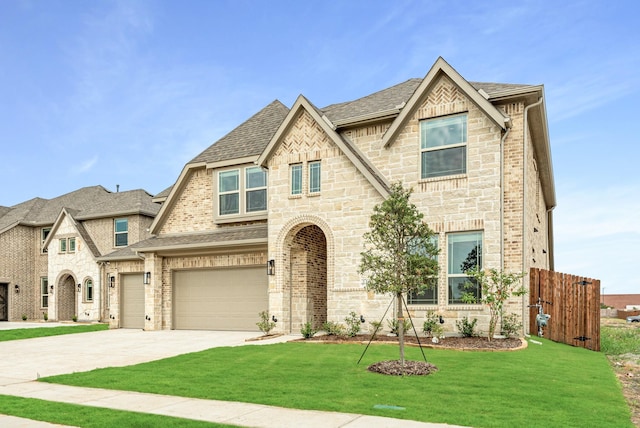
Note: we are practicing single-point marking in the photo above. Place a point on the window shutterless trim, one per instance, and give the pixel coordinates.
(315, 176)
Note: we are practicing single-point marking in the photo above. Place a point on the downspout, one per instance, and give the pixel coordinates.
(502, 140)
(524, 199)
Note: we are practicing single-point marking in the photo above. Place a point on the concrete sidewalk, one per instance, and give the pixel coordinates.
(23, 361)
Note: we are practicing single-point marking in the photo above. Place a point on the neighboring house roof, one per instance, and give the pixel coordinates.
(87, 203)
(227, 237)
(162, 196)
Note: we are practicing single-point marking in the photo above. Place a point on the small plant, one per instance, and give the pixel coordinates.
(466, 327)
(307, 330)
(511, 325)
(333, 328)
(393, 325)
(432, 320)
(45, 315)
(353, 324)
(24, 317)
(265, 324)
(74, 318)
(376, 326)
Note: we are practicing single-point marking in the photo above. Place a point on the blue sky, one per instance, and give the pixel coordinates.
(126, 92)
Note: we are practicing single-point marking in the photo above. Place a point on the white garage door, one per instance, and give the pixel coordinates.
(220, 299)
(132, 301)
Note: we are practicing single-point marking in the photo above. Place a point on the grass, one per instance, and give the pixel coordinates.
(548, 385)
(618, 340)
(89, 417)
(29, 333)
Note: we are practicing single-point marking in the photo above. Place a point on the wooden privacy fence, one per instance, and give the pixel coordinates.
(573, 303)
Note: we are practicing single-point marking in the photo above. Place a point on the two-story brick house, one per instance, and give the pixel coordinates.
(50, 251)
(272, 215)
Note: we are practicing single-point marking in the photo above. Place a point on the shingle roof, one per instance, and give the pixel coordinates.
(86, 203)
(219, 237)
(248, 139)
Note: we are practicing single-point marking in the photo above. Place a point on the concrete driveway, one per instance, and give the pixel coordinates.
(46, 356)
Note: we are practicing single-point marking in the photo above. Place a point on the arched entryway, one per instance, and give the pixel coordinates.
(66, 298)
(305, 279)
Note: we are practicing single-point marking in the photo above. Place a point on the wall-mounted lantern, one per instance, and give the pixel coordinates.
(17, 288)
(79, 287)
(147, 278)
(51, 288)
(271, 267)
(112, 281)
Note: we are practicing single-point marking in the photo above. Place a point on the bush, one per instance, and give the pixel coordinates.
(466, 327)
(353, 324)
(265, 325)
(393, 325)
(333, 328)
(307, 330)
(24, 317)
(511, 325)
(45, 315)
(432, 326)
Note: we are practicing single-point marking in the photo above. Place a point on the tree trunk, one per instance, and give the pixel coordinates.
(400, 318)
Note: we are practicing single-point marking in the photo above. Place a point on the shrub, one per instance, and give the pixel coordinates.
(353, 324)
(376, 326)
(24, 317)
(74, 318)
(307, 330)
(432, 320)
(393, 325)
(466, 327)
(511, 325)
(45, 315)
(265, 325)
(333, 328)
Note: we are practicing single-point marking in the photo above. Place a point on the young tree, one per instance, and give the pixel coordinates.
(400, 253)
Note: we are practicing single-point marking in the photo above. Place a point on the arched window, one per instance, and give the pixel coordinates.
(88, 290)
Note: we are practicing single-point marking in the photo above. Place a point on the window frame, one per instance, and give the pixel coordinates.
(117, 233)
(243, 191)
(44, 234)
(295, 175)
(425, 149)
(456, 276)
(315, 188)
(71, 245)
(44, 292)
(88, 290)
(62, 245)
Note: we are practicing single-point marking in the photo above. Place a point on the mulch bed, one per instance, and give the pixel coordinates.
(421, 368)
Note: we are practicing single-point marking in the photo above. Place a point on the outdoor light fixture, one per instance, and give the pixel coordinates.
(362, 319)
(147, 278)
(271, 267)
(441, 320)
(79, 287)
(273, 318)
(112, 281)
(17, 287)
(51, 288)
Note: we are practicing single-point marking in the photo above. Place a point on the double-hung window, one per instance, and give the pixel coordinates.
(464, 253)
(242, 191)
(44, 234)
(296, 178)
(121, 232)
(443, 146)
(427, 296)
(314, 177)
(256, 189)
(44, 292)
(63, 245)
(71, 245)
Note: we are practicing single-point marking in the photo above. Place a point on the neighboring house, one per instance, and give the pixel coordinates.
(271, 216)
(50, 250)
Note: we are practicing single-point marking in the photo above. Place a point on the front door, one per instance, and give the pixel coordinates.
(66, 299)
(4, 304)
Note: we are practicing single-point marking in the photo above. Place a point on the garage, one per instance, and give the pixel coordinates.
(219, 299)
(132, 301)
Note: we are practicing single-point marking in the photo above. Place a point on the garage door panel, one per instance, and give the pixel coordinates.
(220, 299)
(132, 301)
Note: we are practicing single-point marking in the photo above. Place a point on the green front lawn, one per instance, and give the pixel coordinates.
(548, 385)
(89, 417)
(29, 333)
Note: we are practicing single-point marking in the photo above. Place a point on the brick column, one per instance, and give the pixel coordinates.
(153, 293)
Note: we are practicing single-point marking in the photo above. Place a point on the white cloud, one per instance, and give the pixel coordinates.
(86, 165)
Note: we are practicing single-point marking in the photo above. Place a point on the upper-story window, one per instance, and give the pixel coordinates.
(63, 245)
(71, 245)
(443, 146)
(121, 232)
(242, 191)
(314, 177)
(44, 234)
(296, 178)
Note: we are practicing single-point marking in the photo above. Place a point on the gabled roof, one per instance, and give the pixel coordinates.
(441, 67)
(350, 150)
(88, 202)
(70, 213)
